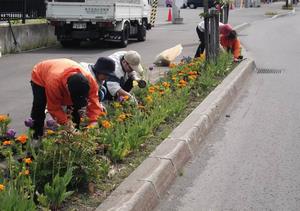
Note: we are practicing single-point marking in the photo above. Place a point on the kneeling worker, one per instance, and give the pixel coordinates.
(128, 66)
(59, 83)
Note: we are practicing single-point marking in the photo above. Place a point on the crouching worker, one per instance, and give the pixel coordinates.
(103, 69)
(231, 44)
(128, 67)
(60, 83)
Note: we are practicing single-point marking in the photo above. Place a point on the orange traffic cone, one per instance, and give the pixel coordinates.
(170, 15)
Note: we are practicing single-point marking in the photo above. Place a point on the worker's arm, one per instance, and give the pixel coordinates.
(94, 107)
(236, 49)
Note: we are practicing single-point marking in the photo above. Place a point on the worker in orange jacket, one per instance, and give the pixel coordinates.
(58, 83)
(231, 44)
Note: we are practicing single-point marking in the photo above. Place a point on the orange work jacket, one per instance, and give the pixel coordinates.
(232, 45)
(53, 75)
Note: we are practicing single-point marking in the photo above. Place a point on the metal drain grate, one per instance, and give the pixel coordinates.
(268, 71)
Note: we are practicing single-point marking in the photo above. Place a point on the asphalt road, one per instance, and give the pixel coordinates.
(15, 94)
(251, 159)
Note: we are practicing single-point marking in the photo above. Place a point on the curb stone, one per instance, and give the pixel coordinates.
(293, 11)
(144, 187)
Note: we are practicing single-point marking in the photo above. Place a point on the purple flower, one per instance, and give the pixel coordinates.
(151, 68)
(51, 124)
(11, 133)
(121, 98)
(29, 122)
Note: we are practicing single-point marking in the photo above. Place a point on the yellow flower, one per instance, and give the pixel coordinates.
(3, 118)
(182, 81)
(121, 117)
(174, 78)
(6, 143)
(192, 77)
(90, 126)
(135, 83)
(106, 124)
(22, 139)
(149, 99)
(117, 105)
(2, 187)
(50, 132)
(27, 160)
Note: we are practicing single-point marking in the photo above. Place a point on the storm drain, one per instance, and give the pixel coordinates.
(268, 71)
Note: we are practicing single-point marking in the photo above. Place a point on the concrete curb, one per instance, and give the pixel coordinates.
(143, 188)
(293, 11)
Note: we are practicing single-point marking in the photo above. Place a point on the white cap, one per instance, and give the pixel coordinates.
(133, 58)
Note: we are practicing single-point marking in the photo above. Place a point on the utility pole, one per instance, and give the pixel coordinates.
(206, 30)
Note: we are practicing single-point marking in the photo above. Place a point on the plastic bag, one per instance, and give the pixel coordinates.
(167, 56)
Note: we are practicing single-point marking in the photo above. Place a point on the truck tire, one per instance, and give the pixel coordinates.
(141, 34)
(124, 36)
(70, 43)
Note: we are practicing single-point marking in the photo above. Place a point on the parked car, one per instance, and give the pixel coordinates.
(169, 3)
(184, 4)
(193, 4)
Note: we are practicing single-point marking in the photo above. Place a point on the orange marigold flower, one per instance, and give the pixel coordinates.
(151, 89)
(174, 78)
(3, 118)
(166, 84)
(26, 172)
(106, 124)
(182, 81)
(27, 160)
(172, 65)
(126, 97)
(22, 138)
(149, 99)
(2, 187)
(102, 113)
(192, 73)
(6, 143)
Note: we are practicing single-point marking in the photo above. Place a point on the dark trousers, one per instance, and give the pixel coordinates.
(127, 86)
(201, 46)
(38, 110)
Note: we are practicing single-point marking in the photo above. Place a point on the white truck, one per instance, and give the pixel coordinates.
(79, 20)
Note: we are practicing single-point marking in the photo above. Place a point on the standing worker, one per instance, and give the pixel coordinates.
(128, 67)
(59, 83)
(200, 29)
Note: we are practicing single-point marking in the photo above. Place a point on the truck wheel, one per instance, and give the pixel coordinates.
(70, 43)
(141, 34)
(124, 37)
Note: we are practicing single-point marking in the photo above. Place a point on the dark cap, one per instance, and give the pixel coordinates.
(105, 66)
(79, 88)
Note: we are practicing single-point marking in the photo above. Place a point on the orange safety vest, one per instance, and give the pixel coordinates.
(53, 75)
